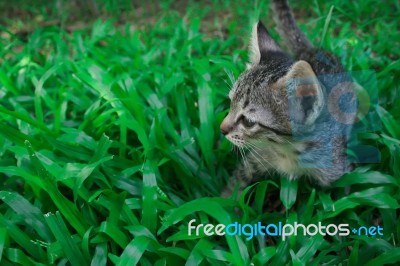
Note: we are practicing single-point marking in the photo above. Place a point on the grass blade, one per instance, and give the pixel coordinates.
(62, 235)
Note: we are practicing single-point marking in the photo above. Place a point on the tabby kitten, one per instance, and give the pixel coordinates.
(290, 114)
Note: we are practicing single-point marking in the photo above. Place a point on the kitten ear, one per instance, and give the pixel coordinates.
(261, 43)
(305, 94)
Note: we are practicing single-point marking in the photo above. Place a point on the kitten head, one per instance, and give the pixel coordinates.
(273, 97)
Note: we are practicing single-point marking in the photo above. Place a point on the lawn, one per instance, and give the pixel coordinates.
(110, 140)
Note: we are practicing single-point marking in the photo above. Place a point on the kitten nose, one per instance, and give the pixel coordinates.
(225, 127)
(223, 131)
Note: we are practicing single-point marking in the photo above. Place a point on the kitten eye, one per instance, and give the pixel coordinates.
(248, 123)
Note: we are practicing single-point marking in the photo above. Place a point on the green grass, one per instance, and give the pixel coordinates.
(110, 142)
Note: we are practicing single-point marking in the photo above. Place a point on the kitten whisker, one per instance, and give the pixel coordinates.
(231, 77)
(256, 155)
(245, 162)
(253, 149)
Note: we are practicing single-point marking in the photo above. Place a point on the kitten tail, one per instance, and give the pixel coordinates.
(287, 27)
